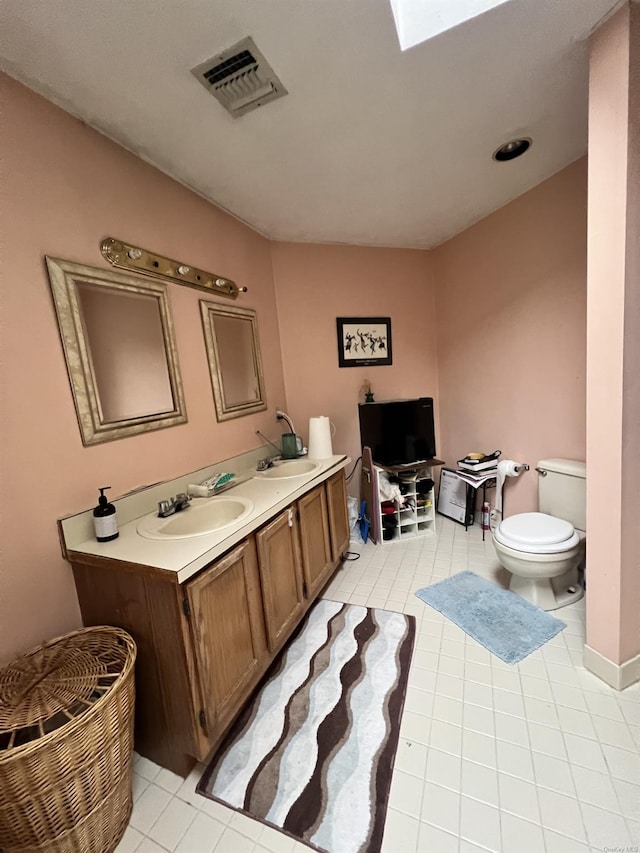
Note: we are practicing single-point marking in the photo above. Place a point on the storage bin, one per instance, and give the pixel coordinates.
(66, 744)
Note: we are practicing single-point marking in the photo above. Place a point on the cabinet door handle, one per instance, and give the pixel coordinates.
(290, 511)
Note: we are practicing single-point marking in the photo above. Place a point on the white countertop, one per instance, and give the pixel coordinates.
(188, 556)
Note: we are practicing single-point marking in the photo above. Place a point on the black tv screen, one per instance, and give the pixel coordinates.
(399, 432)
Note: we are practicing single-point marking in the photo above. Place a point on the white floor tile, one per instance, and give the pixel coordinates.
(536, 688)
(553, 773)
(480, 824)
(145, 768)
(246, 825)
(415, 727)
(172, 823)
(446, 737)
(276, 842)
(520, 835)
(444, 769)
(479, 748)
(614, 733)
(515, 760)
(216, 810)
(519, 798)
(202, 835)
(605, 829)
(448, 710)
(479, 720)
(628, 798)
(139, 786)
(149, 846)
(411, 758)
(634, 831)
(506, 679)
(571, 697)
(560, 813)
(233, 842)
(432, 838)
(541, 711)
(512, 729)
(622, 764)
(597, 789)
(400, 833)
(406, 793)
(130, 841)
(480, 694)
(576, 722)
(557, 843)
(148, 808)
(585, 753)
(169, 781)
(546, 740)
(446, 685)
(479, 782)
(507, 702)
(441, 807)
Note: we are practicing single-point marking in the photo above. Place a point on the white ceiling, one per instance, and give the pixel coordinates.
(371, 146)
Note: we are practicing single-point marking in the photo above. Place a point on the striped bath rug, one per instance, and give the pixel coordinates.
(312, 754)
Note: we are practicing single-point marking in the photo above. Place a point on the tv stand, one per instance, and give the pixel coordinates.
(414, 514)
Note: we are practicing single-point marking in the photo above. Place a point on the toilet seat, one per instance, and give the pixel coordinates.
(536, 533)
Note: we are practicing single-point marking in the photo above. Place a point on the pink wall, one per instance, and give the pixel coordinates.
(314, 285)
(511, 326)
(65, 188)
(614, 343)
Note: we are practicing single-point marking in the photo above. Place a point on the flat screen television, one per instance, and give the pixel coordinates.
(399, 432)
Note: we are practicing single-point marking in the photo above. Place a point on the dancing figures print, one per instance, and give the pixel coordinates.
(364, 341)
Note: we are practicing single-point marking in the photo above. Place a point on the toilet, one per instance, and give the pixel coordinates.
(544, 550)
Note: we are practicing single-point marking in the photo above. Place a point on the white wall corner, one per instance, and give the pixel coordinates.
(615, 675)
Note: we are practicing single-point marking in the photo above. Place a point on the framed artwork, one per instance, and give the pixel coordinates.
(364, 341)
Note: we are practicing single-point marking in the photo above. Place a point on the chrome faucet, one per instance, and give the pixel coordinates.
(168, 507)
(264, 464)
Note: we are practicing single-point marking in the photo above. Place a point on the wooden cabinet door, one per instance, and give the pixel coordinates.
(315, 545)
(338, 519)
(227, 626)
(279, 564)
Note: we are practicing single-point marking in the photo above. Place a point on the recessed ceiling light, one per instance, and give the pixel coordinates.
(511, 150)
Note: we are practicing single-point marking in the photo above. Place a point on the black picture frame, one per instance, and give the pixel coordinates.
(364, 341)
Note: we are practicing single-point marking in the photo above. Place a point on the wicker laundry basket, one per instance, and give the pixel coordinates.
(66, 742)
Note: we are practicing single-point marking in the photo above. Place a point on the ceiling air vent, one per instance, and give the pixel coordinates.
(240, 78)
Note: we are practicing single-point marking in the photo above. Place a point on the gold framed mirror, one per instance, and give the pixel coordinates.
(119, 345)
(235, 364)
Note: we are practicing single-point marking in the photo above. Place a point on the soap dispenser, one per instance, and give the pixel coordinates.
(104, 518)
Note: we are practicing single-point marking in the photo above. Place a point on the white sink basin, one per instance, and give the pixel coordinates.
(293, 468)
(198, 519)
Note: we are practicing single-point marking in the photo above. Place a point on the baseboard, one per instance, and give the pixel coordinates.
(615, 675)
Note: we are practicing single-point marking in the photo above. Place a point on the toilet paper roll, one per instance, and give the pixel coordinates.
(320, 433)
(506, 468)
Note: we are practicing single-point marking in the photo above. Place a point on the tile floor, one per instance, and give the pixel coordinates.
(541, 757)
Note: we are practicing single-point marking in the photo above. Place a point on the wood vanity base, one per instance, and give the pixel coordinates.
(204, 645)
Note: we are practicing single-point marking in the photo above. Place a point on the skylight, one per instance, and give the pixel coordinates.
(420, 20)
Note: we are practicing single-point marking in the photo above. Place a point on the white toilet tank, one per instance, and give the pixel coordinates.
(562, 492)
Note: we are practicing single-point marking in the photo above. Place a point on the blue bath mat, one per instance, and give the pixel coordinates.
(503, 622)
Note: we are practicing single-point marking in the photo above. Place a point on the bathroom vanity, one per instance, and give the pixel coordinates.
(210, 613)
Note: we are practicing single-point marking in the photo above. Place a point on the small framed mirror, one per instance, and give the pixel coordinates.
(120, 350)
(233, 350)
